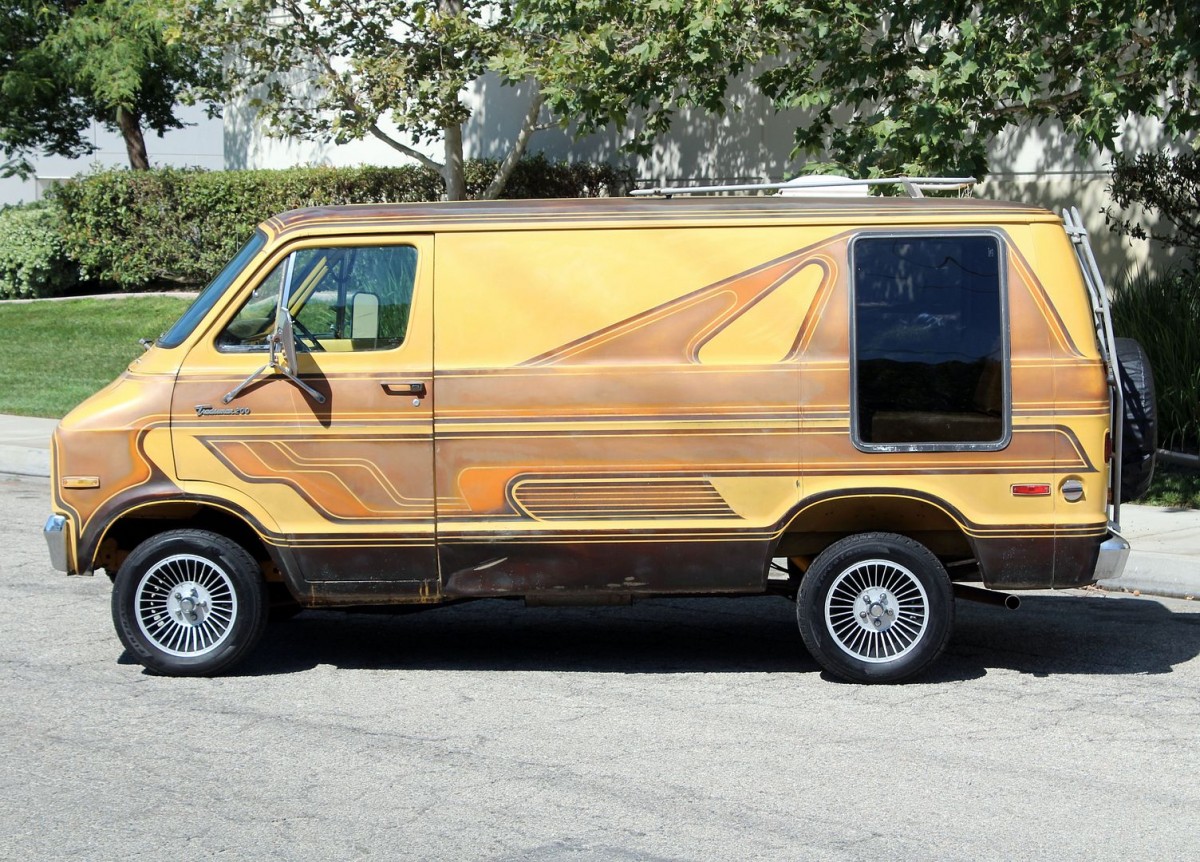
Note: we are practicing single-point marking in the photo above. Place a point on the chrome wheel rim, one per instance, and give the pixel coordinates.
(876, 611)
(185, 605)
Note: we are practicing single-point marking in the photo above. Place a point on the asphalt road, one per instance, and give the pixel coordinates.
(674, 729)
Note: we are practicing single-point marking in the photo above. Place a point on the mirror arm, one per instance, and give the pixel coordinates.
(237, 390)
(274, 365)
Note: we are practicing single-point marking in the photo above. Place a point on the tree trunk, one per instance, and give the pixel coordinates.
(135, 144)
(452, 171)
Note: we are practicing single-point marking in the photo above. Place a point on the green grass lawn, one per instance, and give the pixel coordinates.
(55, 354)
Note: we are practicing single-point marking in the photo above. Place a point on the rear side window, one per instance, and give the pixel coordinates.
(929, 353)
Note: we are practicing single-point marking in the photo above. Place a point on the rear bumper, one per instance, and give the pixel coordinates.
(57, 536)
(1114, 553)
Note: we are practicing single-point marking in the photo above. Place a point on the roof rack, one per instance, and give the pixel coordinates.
(914, 186)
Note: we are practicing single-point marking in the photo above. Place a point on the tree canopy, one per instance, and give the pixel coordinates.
(924, 86)
(65, 63)
(395, 70)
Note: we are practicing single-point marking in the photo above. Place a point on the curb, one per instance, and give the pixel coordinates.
(1157, 574)
(23, 461)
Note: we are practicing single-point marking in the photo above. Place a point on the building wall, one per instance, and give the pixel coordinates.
(200, 144)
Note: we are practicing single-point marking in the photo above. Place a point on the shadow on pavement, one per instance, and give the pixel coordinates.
(1049, 635)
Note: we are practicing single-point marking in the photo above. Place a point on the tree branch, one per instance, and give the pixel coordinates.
(404, 149)
(528, 127)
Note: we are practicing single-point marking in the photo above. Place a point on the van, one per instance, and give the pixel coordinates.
(865, 405)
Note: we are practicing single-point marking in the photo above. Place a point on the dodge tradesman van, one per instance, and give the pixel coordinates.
(592, 401)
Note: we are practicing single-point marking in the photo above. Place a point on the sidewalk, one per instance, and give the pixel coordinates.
(1165, 560)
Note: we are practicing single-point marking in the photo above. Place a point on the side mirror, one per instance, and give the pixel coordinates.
(285, 334)
(282, 339)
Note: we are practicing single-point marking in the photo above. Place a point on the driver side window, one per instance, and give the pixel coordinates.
(341, 299)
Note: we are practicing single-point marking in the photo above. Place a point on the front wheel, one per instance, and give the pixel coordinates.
(189, 603)
(875, 607)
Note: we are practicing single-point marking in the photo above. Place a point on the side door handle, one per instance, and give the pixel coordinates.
(415, 388)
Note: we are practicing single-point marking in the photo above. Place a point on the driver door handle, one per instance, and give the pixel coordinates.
(415, 388)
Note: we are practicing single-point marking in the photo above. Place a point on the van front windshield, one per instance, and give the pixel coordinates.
(208, 297)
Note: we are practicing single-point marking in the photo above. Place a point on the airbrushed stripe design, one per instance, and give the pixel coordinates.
(675, 331)
(341, 489)
(601, 499)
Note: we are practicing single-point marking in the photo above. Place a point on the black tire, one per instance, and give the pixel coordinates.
(875, 607)
(189, 603)
(1140, 433)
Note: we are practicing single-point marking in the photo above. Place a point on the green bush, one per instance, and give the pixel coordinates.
(133, 228)
(1164, 315)
(33, 260)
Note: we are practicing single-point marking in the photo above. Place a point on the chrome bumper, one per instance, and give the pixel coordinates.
(56, 535)
(1114, 553)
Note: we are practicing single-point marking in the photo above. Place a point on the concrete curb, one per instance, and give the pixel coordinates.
(23, 461)
(1158, 574)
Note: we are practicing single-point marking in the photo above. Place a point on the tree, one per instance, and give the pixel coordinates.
(1164, 185)
(69, 62)
(37, 110)
(924, 86)
(343, 70)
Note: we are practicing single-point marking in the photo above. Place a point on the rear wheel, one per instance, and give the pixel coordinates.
(875, 607)
(189, 603)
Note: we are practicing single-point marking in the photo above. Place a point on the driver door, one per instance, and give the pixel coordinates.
(335, 470)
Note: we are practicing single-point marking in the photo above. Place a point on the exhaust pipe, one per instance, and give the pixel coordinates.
(987, 597)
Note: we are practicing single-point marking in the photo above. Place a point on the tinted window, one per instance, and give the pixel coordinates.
(340, 298)
(927, 336)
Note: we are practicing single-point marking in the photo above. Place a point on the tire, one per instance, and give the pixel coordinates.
(876, 608)
(189, 603)
(1140, 433)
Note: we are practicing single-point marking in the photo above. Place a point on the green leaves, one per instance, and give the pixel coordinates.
(927, 84)
(66, 63)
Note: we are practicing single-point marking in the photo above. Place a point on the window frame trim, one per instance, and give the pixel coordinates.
(285, 252)
(1003, 242)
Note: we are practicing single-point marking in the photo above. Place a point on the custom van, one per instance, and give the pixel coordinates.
(864, 405)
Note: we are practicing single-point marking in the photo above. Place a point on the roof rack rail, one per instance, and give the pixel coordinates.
(914, 186)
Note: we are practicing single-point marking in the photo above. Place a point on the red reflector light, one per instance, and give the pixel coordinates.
(1108, 453)
(1031, 490)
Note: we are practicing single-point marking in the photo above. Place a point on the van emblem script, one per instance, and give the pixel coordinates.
(209, 410)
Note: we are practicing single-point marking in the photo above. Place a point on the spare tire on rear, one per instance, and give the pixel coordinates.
(1140, 439)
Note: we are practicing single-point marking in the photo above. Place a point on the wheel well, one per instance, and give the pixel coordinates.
(132, 529)
(818, 524)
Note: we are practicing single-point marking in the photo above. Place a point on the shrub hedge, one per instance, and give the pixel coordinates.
(133, 228)
(1164, 315)
(33, 258)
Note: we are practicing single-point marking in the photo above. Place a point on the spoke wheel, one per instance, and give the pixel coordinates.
(186, 605)
(189, 602)
(876, 611)
(875, 607)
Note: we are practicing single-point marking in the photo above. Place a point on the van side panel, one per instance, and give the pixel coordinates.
(631, 425)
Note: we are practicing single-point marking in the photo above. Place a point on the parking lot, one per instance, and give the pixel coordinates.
(674, 729)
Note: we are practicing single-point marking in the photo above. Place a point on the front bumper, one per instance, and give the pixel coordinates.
(57, 537)
(1114, 553)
